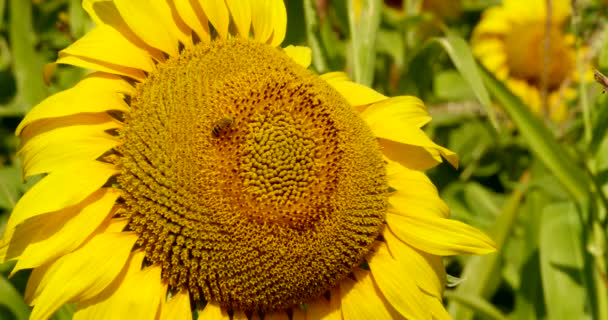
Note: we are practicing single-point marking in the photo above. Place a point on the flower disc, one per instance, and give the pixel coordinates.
(250, 180)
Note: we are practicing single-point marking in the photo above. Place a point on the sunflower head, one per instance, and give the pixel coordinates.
(514, 41)
(203, 168)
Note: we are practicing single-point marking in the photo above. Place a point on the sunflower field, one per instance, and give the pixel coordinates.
(276, 159)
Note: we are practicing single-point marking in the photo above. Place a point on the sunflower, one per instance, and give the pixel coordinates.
(510, 41)
(202, 168)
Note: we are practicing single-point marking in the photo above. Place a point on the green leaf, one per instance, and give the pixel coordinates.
(313, 29)
(12, 300)
(364, 22)
(460, 53)
(483, 307)
(600, 125)
(482, 274)
(79, 20)
(10, 186)
(561, 262)
(27, 64)
(541, 141)
(450, 86)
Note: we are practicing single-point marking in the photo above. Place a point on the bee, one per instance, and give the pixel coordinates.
(221, 126)
(601, 79)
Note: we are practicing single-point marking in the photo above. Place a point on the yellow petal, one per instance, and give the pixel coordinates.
(298, 314)
(279, 22)
(178, 307)
(191, 12)
(170, 18)
(107, 45)
(335, 76)
(415, 194)
(408, 111)
(321, 308)
(138, 296)
(435, 307)
(213, 312)
(93, 94)
(85, 272)
(439, 236)
(427, 271)
(48, 124)
(396, 284)
(53, 149)
(105, 12)
(87, 63)
(40, 276)
(301, 55)
(354, 93)
(241, 15)
(98, 307)
(261, 20)
(276, 316)
(405, 140)
(217, 13)
(398, 120)
(494, 22)
(360, 299)
(240, 315)
(56, 192)
(147, 24)
(46, 237)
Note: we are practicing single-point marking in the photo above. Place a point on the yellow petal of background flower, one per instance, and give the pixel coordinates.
(301, 55)
(360, 299)
(397, 284)
(494, 22)
(191, 12)
(105, 44)
(354, 93)
(50, 150)
(148, 25)
(241, 15)
(44, 238)
(51, 194)
(212, 312)
(93, 94)
(89, 270)
(439, 236)
(428, 271)
(217, 13)
(178, 307)
(279, 22)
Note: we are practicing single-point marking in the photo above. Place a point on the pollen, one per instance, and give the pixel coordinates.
(250, 181)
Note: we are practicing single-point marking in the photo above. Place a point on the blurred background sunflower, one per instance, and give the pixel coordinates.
(511, 41)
